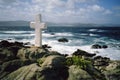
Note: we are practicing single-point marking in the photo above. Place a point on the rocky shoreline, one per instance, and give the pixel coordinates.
(20, 62)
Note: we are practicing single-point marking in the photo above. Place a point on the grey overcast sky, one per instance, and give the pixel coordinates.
(82, 11)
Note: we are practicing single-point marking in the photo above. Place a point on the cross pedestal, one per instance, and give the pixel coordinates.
(38, 26)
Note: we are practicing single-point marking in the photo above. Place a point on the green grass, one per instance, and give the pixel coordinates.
(40, 61)
(76, 60)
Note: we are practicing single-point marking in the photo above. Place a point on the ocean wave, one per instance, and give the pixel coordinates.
(83, 34)
(57, 34)
(96, 30)
(101, 31)
(64, 34)
(92, 30)
(47, 35)
(93, 34)
(15, 35)
(16, 32)
(69, 49)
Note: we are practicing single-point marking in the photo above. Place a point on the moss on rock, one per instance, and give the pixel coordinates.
(76, 73)
(112, 71)
(24, 73)
(54, 61)
(32, 53)
(13, 65)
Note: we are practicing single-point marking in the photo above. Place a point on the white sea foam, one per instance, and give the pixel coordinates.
(92, 30)
(96, 30)
(16, 32)
(47, 35)
(64, 34)
(93, 34)
(83, 34)
(71, 46)
(15, 35)
(65, 49)
(57, 34)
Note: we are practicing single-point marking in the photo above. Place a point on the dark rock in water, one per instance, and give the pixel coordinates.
(52, 33)
(82, 53)
(46, 46)
(9, 39)
(63, 40)
(96, 46)
(28, 43)
(105, 46)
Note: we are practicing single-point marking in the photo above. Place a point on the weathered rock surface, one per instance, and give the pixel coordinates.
(54, 61)
(101, 61)
(32, 53)
(112, 71)
(24, 73)
(76, 73)
(53, 68)
(13, 65)
(18, 62)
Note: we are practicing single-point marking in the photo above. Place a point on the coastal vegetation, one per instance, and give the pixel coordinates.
(20, 62)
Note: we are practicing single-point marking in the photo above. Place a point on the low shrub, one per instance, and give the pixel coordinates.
(76, 60)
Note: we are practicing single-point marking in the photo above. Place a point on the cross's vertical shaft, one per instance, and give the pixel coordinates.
(38, 37)
(38, 25)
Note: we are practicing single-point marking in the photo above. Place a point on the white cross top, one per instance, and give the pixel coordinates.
(38, 26)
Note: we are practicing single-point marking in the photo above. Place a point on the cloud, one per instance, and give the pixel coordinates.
(96, 8)
(108, 12)
(7, 1)
(53, 10)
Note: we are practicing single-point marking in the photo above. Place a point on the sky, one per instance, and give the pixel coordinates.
(62, 11)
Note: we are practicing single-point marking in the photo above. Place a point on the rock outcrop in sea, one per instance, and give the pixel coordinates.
(19, 62)
(63, 40)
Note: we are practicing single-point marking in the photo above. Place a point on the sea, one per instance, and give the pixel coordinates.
(79, 38)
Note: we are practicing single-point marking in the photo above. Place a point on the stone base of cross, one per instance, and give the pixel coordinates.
(38, 26)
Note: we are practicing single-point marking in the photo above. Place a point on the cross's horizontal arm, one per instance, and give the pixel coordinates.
(32, 24)
(43, 26)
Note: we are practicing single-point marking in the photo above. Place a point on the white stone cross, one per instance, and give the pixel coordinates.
(38, 26)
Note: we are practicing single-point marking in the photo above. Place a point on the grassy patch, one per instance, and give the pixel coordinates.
(76, 60)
